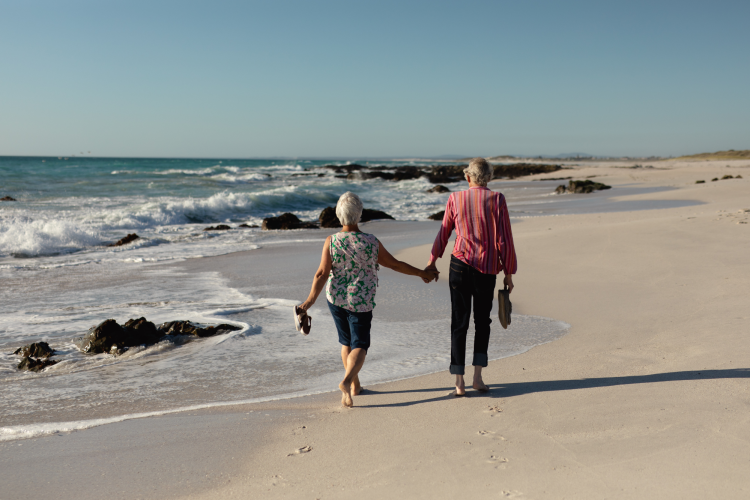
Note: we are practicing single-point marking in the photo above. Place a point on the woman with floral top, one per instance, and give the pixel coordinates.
(349, 271)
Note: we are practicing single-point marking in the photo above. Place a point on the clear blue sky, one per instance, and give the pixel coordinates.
(380, 78)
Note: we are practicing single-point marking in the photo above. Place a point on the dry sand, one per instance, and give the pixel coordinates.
(645, 397)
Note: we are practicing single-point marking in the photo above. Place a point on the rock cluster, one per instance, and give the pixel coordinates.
(35, 357)
(219, 227)
(109, 336)
(437, 174)
(7, 198)
(124, 241)
(581, 187)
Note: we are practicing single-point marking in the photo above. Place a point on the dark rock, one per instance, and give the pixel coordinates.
(700, 182)
(141, 331)
(520, 169)
(727, 177)
(714, 179)
(407, 173)
(286, 221)
(446, 173)
(340, 169)
(328, 218)
(37, 350)
(7, 198)
(368, 215)
(220, 227)
(249, 226)
(439, 189)
(560, 189)
(738, 177)
(35, 365)
(437, 216)
(124, 241)
(585, 186)
(187, 328)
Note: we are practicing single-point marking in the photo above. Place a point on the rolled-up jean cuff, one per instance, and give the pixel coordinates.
(479, 359)
(457, 369)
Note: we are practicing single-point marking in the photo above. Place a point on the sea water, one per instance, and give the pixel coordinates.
(59, 278)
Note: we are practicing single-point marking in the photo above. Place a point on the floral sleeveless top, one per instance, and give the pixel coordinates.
(354, 272)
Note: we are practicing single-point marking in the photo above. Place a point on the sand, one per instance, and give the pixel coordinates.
(645, 397)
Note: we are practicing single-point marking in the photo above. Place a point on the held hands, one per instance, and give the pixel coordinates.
(430, 273)
(508, 281)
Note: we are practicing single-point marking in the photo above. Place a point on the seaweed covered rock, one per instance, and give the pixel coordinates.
(286, 221)
(581, 187)
(437, 216)
(35, 365)
(219, 227)
(125, 240)
(36, 350)
(188, 328)
(446, 173)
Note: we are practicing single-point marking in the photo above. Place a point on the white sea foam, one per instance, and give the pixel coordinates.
(44, 237)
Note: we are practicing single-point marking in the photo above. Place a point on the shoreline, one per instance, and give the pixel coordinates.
(646, 385)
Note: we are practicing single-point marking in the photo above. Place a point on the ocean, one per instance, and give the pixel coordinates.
(60, 278)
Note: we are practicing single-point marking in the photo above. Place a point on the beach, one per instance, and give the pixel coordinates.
(638, 390)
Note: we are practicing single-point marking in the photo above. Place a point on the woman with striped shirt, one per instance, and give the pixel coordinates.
(484, 248)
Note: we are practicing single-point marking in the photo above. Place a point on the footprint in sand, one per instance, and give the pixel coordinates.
(511, 494)
(300, 451)
(494, 459)
(493, 410)
(490, 434)
(299, 430)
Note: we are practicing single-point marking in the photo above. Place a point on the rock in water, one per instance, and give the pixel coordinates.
(437, 216)
(124, 241)
(248, 226)
(37, 350)
(286, 221)
(7, 198)
(140, 331)
(328, 218)
(368, 215)
(447, 173)
(521, 169)
(439, 189)
(35, 365)
(187, 328)
(220, 227)
(561, 189)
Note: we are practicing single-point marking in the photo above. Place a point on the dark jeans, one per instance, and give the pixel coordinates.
(466, 282)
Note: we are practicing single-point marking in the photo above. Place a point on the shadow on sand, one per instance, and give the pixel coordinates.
(521, 388)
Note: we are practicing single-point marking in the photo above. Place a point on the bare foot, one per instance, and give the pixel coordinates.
(480, 386)
(356, 389)
(460, 389)
(346, 397)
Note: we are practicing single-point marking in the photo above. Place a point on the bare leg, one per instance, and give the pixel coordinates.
(354, 363)
(478, 382)
(356, 387)
(460, 385)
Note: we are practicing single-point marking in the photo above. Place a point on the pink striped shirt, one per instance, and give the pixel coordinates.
(483, 236)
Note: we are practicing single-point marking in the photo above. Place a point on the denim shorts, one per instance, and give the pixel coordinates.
(353, 327)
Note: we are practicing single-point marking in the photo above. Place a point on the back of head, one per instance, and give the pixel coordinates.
(480, 171)
(349, 209)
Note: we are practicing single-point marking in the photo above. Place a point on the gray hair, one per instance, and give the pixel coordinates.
(480, 171)
(349, 209)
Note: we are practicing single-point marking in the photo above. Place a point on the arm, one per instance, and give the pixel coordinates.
(387, 260)
(321, 275)
(507, 249)
(441, 240)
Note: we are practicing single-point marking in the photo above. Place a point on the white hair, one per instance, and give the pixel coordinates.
(480, 171)
(349, 209)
